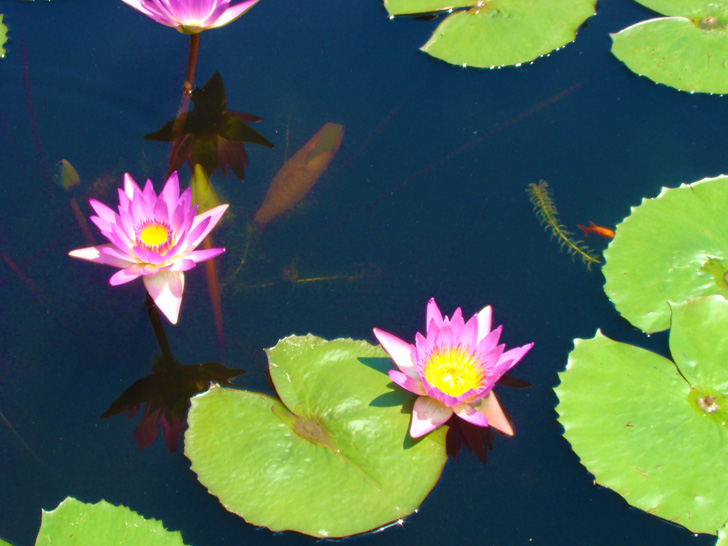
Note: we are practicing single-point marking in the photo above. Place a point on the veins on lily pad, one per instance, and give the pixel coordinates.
(210, 135)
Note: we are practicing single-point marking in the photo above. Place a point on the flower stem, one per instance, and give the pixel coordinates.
(158, 328)
(189, 84)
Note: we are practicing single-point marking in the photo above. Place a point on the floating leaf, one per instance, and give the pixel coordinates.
(671, 248)
(653, 430)
(686, 54)
(695, 9)
(494, 33)
(331, 459)
(3, 36)
(74, 523)
(687, 50)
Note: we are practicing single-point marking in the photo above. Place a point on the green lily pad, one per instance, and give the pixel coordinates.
(3, 543)
(653, 430)
(671, 248)
(3, 36)
(687, 50)
(74, 523)
(332, 458)
(494, 33)
(694, 9)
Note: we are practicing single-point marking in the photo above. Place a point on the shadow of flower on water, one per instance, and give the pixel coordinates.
(167, 391)
(165, 395)
(210, 135)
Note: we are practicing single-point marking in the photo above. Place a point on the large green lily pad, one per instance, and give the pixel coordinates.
(694, 9)
(74, 523)
(671, 248)
(3, 36)
(332, 458)
(652, 429)
(687, 50)
(494, 33)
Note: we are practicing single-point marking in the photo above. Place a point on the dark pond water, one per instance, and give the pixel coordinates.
(425, 198)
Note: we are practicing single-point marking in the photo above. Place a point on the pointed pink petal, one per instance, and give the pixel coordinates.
(103, 211)
(469, 414)
(130, 187)
(115, 252)
(407, 383)
(166, 289)
(491, 409)
(169, 196)
(126, 275)
(427, 415)
(484, 322)
(457, 322)
(399, 350)
(489, 342)
(150, 196)
(214, 215)
(233, 13)
(515, 354)
(182, 264)
(202, 255)
(95, 254)
(469, 334)
(433, 313)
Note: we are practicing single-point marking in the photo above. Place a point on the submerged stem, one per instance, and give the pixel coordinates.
(159, 333)
(189, 84)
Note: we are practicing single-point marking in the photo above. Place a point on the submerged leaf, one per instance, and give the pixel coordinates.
(66, 175)
(330, 458)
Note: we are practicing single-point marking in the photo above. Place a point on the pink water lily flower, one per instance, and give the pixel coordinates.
(453, 369)
(191, 16)
(153, 237)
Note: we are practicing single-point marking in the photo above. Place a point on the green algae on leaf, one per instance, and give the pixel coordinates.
(331, 458)
(495, 33)
(652, 429)
(74, 523)
(670, 248)
(686, 50)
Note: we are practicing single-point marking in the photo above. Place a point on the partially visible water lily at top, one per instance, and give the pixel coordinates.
(153, 237)
(453, 369)
(191, 16)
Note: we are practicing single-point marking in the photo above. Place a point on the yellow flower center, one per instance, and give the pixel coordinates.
(453, 370)
(155, 235)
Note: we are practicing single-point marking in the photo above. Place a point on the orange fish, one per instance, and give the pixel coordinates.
(299, 174)
(596, 230)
